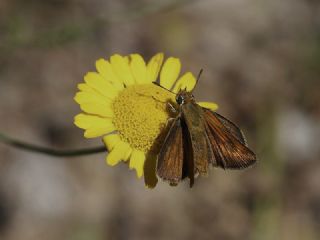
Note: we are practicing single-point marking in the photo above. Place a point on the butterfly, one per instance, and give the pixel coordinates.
(197, 139)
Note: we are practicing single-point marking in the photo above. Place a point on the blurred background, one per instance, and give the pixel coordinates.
(261, 62)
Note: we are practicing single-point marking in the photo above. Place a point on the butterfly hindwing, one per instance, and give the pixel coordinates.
(227, 142)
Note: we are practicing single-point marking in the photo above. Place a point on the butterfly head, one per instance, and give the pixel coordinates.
(184, 97)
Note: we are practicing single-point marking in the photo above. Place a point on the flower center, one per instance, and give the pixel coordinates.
(141, 113)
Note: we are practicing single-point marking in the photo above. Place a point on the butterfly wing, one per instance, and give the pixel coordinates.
(227, 142)
(232, 128)
(170, 158)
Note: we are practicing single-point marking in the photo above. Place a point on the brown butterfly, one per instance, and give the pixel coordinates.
(198, 138)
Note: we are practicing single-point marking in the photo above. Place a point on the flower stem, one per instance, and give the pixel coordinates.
(50, 151)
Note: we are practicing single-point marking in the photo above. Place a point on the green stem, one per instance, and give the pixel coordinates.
(50, 151)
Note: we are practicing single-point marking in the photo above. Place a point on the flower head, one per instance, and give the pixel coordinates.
(122, 103)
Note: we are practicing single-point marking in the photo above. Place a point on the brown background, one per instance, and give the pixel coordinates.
(261, 62)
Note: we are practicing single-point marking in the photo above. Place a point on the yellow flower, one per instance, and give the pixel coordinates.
(122, 103)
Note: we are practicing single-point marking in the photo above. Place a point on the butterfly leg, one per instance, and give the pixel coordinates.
(171, 108)
(170, 121)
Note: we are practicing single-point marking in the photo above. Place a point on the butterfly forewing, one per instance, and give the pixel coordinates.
(170, 158)
(227, 142)
(232, 128)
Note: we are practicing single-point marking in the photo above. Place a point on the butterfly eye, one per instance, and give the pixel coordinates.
(180, 99)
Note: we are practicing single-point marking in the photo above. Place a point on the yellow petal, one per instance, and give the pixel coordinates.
(210, 105)
(102, 110)
(97, 132)
(111, 141)
(170, 72)
(103, 67)
(105, 70)
(83, 87)
(127, 154)
(96, 81)
(137, 161)
(121, 151)
(138, 68)
(114, 157)
(121, 68)
(89, 97)
(94, 103)
(86, 88)
(186, 82)
(95, 126)
(127, 59)
(154, 67)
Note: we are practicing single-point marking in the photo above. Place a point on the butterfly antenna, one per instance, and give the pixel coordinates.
(156, 83)
(198, 77)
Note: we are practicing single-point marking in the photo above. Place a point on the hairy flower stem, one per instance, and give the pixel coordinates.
(50, 151)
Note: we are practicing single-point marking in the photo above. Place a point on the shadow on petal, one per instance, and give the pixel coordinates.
(150, 177)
